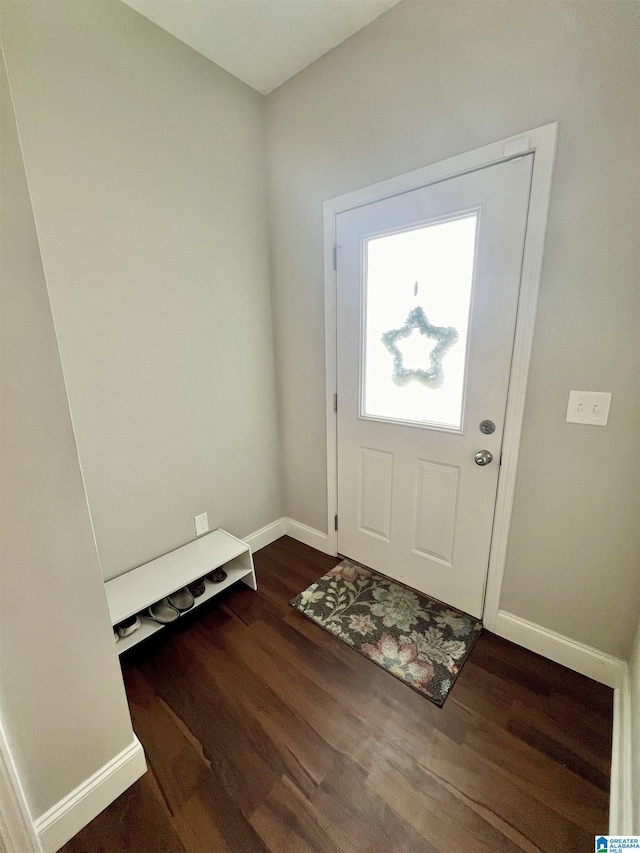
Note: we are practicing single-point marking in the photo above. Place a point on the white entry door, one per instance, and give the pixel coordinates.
(427, 295)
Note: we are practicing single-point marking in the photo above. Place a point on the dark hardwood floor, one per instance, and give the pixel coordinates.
(265, 733)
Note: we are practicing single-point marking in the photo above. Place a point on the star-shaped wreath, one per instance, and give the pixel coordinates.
(446, 336)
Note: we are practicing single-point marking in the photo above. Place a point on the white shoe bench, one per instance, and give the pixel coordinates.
(136, 590)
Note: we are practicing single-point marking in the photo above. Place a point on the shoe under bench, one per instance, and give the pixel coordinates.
(136, 590)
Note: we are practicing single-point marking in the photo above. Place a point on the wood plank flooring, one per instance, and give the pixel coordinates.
(265, 733)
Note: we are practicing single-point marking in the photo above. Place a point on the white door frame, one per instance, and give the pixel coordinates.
(542, 143)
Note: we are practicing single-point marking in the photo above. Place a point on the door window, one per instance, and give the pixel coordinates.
(417, 300)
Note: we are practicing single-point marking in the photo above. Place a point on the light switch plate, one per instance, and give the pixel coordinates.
(589, 407)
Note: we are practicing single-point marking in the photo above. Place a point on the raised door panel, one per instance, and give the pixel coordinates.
(376, 480)
(437, 488)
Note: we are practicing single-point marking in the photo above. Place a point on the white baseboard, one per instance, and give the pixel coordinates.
(56, 826)
(266, 535)
(288, 527)
(603, 668)
(622, 783)
(308, 535)
(581, 658)
(17, 834)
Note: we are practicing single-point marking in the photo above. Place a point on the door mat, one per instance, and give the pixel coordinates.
(414, 637)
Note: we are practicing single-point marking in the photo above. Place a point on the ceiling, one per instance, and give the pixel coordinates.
(262, 42)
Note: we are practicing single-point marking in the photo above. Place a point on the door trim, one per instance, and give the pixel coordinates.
(541, 142)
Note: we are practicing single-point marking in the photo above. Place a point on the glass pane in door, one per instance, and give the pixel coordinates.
(417, 300)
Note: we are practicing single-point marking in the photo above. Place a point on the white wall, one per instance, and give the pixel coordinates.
(62, 699)
(149, 198)
(146, 165)
(428, 80)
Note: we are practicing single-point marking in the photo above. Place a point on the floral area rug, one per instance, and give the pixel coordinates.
(419, 640)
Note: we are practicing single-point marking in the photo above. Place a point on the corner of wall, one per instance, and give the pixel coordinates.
(66, 818)
(625, 758)
(579, 657)
(288, 527)
(625, 789)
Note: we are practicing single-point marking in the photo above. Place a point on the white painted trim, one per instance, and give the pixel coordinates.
(17, 834)
(622, 794)
(579, 657)
(61, 822)
(533, 256)
(309, 535)
(542, 143)
(266, 535)
(288, 527)
(331, 210)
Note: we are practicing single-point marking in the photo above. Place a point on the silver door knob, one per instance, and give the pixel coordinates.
(483, 457)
